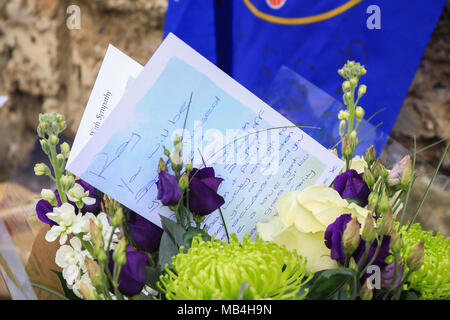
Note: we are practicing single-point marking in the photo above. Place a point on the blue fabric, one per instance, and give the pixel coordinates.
(253, 50)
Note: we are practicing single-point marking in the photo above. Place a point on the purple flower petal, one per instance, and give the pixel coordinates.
(42, 208)
(168, 192)
(350, 184)
(145, 234)
(132, 276)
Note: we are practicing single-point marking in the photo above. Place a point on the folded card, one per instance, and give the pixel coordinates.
(259, 153)
(116, 72)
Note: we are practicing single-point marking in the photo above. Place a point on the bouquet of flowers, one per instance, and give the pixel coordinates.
(344, 241)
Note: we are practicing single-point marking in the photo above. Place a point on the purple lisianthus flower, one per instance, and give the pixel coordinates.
(350, 184)
(43, 206)
(145, 234)
(333, 241)
(203, 197)
(132, 275)
(168, 191)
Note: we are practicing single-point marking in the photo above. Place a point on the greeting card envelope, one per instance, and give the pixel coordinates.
(121, 159)
(115, 74)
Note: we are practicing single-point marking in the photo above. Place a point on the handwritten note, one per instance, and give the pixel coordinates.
(121, 159)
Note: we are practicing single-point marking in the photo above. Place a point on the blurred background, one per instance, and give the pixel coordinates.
(46, 67)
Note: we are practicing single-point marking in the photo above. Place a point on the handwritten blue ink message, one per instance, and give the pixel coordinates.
(126, 167)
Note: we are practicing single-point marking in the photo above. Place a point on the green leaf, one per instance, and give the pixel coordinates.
(152, 277)
(355, 201)
(67, 292)
(409, 295)
(167, 249)
(190, 234)
(329, 282)
(174, 230)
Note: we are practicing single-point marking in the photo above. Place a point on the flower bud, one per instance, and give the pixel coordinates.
(60, 161)
(369, 233)
(41, 169)
(86, 291)
(354, 82)
(366, 293)
(178, 143)
(363, 71)
(347, 150)
(347, 98)
(387, 224)
(353, 138)
(65, 149)
(119, 255)
(117, 220)
(376, 170)
(48, 195)
(189, 166)
(44, 145)
(396, 243)
(102, 257)
(368, 178)
(373, 200)
(166, 152)
(370, 155)
(67, 182)
(342, 127)
(41, 131)
(383, 203)
(183, 184)
(415, 258)
(351, 237)
(94, 271)
(62, 126)
(162, 165)
(96, 236)
(406, 176)
(53, 140)
(359, 113)
(362, 90)
(343, 115)
(346, 86)
(341, 72)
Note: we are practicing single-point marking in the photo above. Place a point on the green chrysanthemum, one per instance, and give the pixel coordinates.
(217, 270)
(432, 280)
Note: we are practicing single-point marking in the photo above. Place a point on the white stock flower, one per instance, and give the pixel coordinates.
(71, 259)
(77, 194)
(67, 222)
(107, 230)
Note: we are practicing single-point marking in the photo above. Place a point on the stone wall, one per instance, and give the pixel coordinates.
(426, 110)
(44, 66)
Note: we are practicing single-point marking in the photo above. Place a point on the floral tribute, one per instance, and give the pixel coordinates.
(346, 241)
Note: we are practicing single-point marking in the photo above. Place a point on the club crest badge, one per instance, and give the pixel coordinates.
(275, 4)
